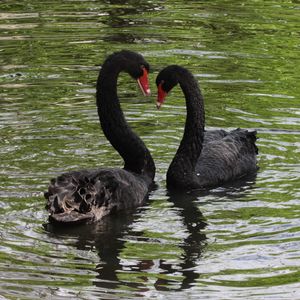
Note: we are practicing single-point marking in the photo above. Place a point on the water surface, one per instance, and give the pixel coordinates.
(239, 240)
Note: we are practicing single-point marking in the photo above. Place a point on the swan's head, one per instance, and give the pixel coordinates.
(165, 81)
(137, 67)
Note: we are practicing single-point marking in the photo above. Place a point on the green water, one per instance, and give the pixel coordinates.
(234, 241)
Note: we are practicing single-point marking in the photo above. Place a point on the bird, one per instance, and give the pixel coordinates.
(204, 159)
(87, 196)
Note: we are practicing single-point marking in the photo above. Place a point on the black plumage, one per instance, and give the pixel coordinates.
(204, 158)
(89, 195)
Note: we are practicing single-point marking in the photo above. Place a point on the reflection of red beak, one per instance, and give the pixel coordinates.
(161, 95)
(144, 83)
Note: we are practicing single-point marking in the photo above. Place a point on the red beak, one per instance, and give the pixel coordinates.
(161, 95)
(144, 83)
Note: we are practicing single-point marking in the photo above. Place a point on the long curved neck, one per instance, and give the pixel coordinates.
(182, 167)
(136, 156)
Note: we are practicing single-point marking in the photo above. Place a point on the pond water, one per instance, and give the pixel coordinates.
(240, 240)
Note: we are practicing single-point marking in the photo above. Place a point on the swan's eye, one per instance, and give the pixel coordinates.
(145, 67)
(166, 86)
(160, 84)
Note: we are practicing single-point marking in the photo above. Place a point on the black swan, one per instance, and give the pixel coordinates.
(89, 195)
(204, 159)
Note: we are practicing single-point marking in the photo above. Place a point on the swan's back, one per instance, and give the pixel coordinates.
(226, 156)
(214, 135)
(89, 195)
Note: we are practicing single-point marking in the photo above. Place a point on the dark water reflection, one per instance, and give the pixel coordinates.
(192, 246)
(231, 242)
(107, 238)
(118, 16)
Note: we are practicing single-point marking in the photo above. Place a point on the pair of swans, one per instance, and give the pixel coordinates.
(204, 159)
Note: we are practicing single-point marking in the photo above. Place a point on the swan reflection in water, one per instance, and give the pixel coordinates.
(109, 239)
